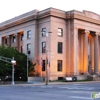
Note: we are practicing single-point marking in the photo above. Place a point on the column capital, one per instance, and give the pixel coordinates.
(15, 34)
(87, 31)
(97, 33)
(7, 36)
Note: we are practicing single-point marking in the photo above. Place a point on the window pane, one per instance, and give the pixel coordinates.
(5, 40)
(59, 65)
(43, 47)
(22, 35)
(14, 39)
(59, 47)
(28, 46)
(21, 49)
(29, 34)
(60, 32)
(43, 65)
(43, 31)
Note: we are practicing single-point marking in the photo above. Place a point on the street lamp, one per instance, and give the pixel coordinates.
(13, 62)
(27, 67)
(28, 52)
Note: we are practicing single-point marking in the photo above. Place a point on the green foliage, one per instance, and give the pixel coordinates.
(31, 68)
(21, 62)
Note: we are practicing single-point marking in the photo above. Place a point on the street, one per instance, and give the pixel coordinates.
(73, 91)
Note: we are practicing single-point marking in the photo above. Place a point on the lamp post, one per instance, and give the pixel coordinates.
(27, 67)
(13, 62)
(47, 60)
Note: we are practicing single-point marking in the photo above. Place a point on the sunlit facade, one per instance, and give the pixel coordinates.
(72, 45)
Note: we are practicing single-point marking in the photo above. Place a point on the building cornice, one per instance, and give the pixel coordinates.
(35, 14)
(81, 16)
(21, 21)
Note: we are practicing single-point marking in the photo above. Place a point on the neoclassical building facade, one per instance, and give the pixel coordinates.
(70, 40)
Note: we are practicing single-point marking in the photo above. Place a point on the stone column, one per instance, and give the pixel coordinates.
(75, 51)
(82, 53)
(86, 51)
(99, 53)
(8, 40)
(96, 53)
(91, 67)
(16, 45)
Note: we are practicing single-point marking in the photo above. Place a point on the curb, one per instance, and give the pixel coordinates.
(49, 83)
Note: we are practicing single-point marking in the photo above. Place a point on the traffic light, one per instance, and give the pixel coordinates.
(15, 64)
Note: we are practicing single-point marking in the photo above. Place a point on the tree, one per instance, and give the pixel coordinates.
(21, 63)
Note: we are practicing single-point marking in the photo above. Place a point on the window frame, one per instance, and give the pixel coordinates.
(14, 39)
(21, 49)
(22, 36)
(43, 65)
(6, 40)
(29, 34)
(60, 49)
(43, 47)
(43, 32)
(59, 68)
(28, 49)
(60, 34)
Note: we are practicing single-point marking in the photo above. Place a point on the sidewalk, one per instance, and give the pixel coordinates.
(43, 83)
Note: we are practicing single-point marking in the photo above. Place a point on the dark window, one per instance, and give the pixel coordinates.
(22, 35)
(14, 39)
(28, 48)
(43, 47)
(43, 31)
(21, 49)
(59, 65)
(59, 47)
(60, 32)
(29, 34)
(43, 65)
(5, 40)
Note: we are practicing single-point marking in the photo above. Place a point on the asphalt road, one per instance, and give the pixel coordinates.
(50, 92)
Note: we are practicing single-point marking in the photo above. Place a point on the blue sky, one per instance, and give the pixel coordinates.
(13, 8)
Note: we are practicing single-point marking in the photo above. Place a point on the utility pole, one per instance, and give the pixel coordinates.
(13, 72)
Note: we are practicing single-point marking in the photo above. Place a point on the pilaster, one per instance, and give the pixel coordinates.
(86, 51)
(96, 53)
(8, 40)
(75, 51)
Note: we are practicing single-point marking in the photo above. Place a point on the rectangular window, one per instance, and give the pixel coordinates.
(21, 49)
(60, 32)
(22, 35)
(28, 34)
(14, 39)
(43, 31)
(60, 47)
(28, 48)
(5, 40)
(59, 65)
(43, 65)
(43, 47)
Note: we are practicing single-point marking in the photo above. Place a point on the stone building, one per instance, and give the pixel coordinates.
(69, 40)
